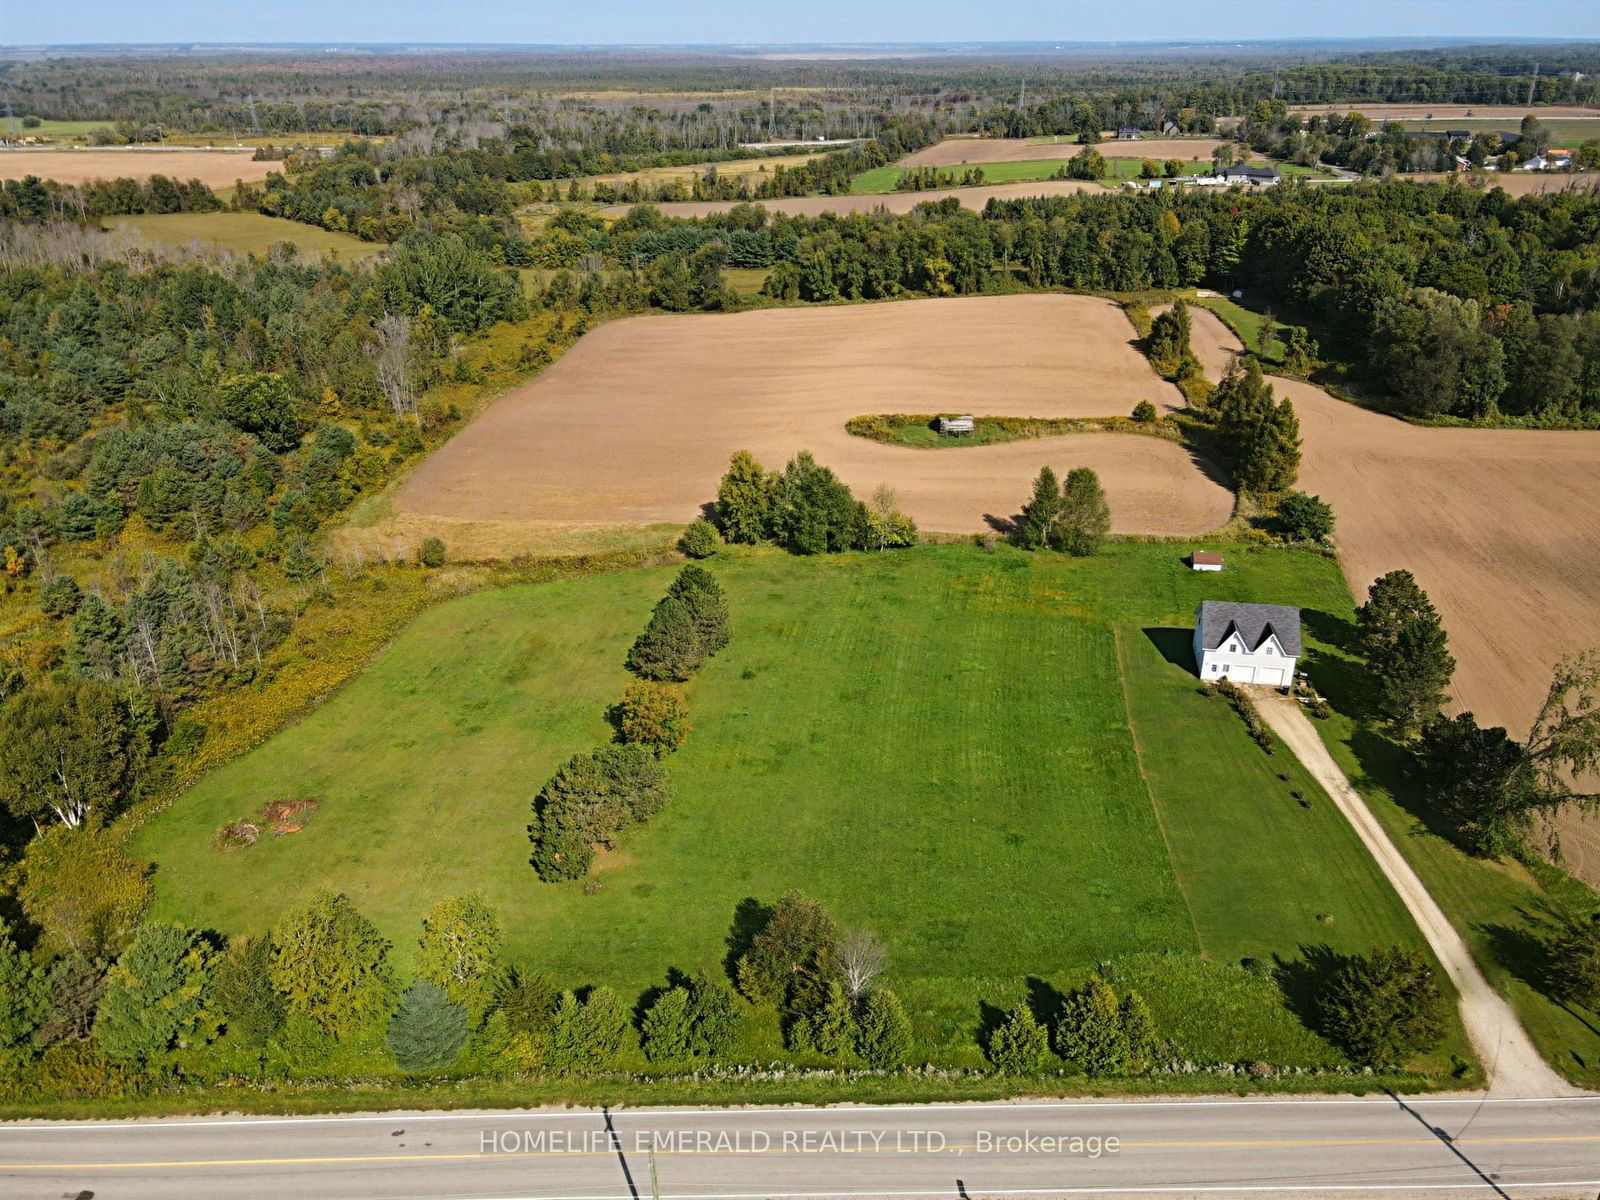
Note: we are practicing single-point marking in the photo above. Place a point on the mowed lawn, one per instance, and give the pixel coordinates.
(246, 233)
(1000, 762)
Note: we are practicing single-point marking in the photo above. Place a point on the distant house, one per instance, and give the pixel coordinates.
(955, 426)
(1458, 135)
(1537, 163)
(1127, 134)
(1205, 560)
(1246, 643)
(1169, 128)
(1251, 176)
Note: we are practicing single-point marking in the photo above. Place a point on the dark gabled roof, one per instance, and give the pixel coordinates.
(1249, 172)
(1218, 618)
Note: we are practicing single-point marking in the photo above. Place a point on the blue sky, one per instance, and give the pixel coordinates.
(678, 21)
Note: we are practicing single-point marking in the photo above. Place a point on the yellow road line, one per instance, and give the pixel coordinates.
(490, 1156)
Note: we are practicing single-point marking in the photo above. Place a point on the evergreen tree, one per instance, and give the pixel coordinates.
(703, 596)
(74, 988)
(1574, 957)
(883, 1031)
(1017, 1046)
(798, 937)
(1268, 453)
(668, 1027)
(1042, 513)
(746, 500)
(1090, 1032)
(1384, 1006)
(1139, 1030)
(24, 992)
(1085, 515)
(245, 998)
(816, 513)
(670, 648)
(831, 1029)
(427, 1030)
(566, 1050)
(604, 1024)
(1414, 675)
(1393, 601)
(714, 1017)
(155, 994)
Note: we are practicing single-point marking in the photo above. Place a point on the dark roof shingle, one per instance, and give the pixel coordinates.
(1253, 621)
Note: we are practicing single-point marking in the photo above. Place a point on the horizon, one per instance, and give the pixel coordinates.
(826, 23)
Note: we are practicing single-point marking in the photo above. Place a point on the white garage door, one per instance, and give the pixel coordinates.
(1242, 674)
(1272, 676)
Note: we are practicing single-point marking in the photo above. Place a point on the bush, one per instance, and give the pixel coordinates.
(700, 540)
(1304, 518)
(1246, 708)
(431, 552)
(427, 1031)
(592, 799)
(1017, 1047)
(1145, 413)
(653, 715)
(883, 1031)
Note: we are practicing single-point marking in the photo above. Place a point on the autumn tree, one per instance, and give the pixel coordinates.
(331, 964)
(460, 951)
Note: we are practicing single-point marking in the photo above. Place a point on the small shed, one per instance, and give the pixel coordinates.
(1205, 560)
(955, 426)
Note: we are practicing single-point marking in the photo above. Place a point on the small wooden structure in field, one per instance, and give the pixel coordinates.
(955, 426)
(1205, 560)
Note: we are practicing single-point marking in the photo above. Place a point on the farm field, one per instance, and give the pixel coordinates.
(895, 202)
(635, 424)
(1002, 736)
(732, 169)
(1567, 131)
(1451, 112)
(245, 233)
(216, 168)
(962, 151)
(883, 179)
(1489, 522)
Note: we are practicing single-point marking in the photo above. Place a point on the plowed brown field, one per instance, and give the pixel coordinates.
(216, 168)
(635, 424)
(1497, 525)
(1520, 183)
(1443, 112)
(895, 202)
(956, 151)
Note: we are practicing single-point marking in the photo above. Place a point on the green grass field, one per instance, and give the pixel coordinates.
(1000, 762)
(246, 233)
(1246, 322)
(1568, 132)
(1117, 170)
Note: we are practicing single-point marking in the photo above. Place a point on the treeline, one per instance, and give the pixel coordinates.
(36, 200)
(1452, 301)
(807, 509)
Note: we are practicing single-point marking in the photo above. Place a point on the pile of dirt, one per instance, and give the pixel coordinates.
(277, 817)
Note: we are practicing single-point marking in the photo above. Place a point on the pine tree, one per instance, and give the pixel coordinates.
(1085, 515)
(670, 648)
(883, 1031)
(245, 997)
(1393, 601)
(1017, 1047)
(427, 1031)
(1415, 674)
(1090, 1032)
(1041, 514)
(703, 596)
(1139, 1030)
(1383, 1006)
(23, 992)
(155, 994)
(831, 1029)
(668, 1027)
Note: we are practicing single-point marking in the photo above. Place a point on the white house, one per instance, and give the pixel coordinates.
(1247, 643)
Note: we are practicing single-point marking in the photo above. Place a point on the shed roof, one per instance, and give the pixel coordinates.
(1209, 557)
(1218, 618)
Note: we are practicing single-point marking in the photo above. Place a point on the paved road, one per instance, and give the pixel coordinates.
(1216, 1148)
(1513, 1062)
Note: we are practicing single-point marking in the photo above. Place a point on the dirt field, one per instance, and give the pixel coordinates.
(895, 202)
(1495, 524)
(636, 423)
(956, 151)
(1421, 112)
(217, 168)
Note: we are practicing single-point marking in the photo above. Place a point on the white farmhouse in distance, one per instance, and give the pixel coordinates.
(1246, 643)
